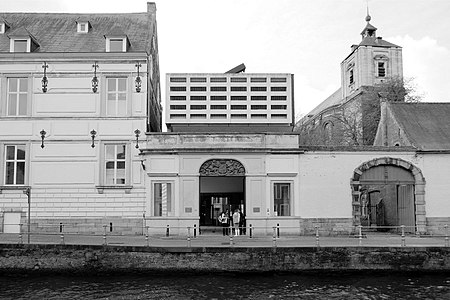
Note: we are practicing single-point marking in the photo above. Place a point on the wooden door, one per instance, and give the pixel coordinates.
(405, 207)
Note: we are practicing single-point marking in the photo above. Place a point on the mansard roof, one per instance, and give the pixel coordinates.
(426, 125)
(57, 32)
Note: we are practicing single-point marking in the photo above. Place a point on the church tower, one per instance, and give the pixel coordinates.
(370, 62)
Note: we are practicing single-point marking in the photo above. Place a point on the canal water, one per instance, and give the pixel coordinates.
(226, 286)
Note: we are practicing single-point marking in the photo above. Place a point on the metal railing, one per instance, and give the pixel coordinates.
(248, 236)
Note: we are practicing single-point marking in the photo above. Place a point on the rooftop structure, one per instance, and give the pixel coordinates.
(229, 102)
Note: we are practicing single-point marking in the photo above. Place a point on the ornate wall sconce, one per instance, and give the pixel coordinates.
(93, 134)
(43, 133)
(95, 79)
(137, 132)
(44, 79)
(138, 81)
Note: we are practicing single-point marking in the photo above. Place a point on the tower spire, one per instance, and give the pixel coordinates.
(368, 18)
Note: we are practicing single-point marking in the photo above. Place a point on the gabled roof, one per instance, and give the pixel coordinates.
(427, 125)
(334, 99)
(57, 32)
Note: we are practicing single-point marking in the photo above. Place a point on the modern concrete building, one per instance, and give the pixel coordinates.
(76, 91)
(229, 102)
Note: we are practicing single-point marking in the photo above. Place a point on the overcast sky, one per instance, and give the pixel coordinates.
(308, 38)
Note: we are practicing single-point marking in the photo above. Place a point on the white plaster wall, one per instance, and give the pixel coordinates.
(435, 169)
(325, 181)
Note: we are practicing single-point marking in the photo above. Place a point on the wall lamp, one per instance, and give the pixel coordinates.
(137, 132)
(44, 79)
(138, 81)
(93, 134)
(43, 133)
(95, 79)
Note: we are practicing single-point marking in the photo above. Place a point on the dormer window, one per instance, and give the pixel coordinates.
(117, 40)
(83, 26)
(116, 45)
(20, 46)
(3, 27)
(22, 41)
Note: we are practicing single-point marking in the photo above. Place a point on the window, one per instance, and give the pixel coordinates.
(278, 106)
(178, 116)
(82, 26)
(198, 116)
(218, 116)
(177, 79)
(239, 116)
(198, 98)
(218, 107)
(198, 88)
(198, 79)
(258, 89)
(17, 97)
(20, 45)
(277, 79)
(197, 107)
(282, 198)
(178, 107)
(238, 88)
(178, 89)
(278, 89)
(381, 69)
(239, 98)
(115, 161)
(351, 76)
(256, 107)
(238, 79)
(259, 98)
(218, 89)
(218, 98)
(259, 116)
(116, 45)
(258, 79)
(15, 165)
(278, 98)
(116, 104)
(177, 98)
(238, 106)
(218, 79)
(162, 199)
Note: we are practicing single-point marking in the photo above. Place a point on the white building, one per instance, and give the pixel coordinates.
(75, 90)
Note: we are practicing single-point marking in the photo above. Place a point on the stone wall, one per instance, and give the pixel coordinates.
(100, 259)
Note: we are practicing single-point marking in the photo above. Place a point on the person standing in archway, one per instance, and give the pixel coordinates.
(223, 220)
(236, 219)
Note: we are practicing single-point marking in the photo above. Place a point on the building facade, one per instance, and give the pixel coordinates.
(76, 92)
(230, 102)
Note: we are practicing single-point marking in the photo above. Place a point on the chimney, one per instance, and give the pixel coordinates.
(151, 7)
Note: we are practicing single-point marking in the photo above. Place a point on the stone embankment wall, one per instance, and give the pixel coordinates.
(99, 259)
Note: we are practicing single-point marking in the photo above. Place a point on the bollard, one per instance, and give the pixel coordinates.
(20, 234)
(231, 239)
(278, 230)
(195, 230)
(250, 230)
(403, 236)
(317, 236)
(104, 235)
(146, 237)
(167, 231)
(61, 228)
(360, 235)
(274, 238)
(189, 237)
(446, 236)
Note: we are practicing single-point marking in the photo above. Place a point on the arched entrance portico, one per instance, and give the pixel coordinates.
(222, 187)
(389, 192)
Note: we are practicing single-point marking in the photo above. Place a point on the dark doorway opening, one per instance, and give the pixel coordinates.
(219, 194)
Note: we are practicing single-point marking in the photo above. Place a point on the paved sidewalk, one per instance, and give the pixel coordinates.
(215, 240)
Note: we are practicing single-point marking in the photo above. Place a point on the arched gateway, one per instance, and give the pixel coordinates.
(389, 192)
(222, 187)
